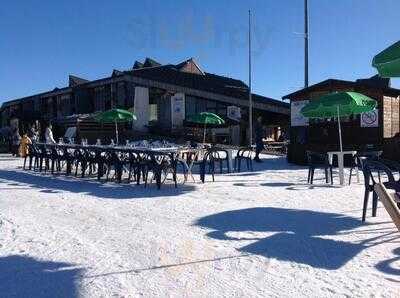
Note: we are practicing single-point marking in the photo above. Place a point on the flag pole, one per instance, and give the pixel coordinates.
(250, 98)
(305, 43)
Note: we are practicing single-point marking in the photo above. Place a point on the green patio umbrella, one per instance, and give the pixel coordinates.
(338, 104)
(206, 118)
(387, 62)
(115, 116)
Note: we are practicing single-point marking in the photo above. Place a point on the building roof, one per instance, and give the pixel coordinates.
(74, 81)
(116, 72)
(137, 65)
(171, 74)
(208, 82)
(150, 63)
(190, 65)
(370, 83)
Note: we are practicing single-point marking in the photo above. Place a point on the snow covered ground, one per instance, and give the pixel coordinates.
(260, 234)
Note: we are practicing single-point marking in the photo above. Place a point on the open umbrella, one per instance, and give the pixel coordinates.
(206, 118)
(115, 116)
(338, 104)
(387, 62)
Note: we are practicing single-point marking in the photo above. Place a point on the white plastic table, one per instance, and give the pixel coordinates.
(340, 155)
(231, 153)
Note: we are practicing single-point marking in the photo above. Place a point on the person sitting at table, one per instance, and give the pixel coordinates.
(49, 135)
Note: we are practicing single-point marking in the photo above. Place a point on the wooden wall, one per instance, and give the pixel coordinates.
(391, 110)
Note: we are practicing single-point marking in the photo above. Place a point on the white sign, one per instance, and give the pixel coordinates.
(296, 118)
(177, 109)
(141, 108)
(369, 119)
(233, 112)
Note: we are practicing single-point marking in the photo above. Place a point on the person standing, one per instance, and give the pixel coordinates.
(258, 129)
(49, 135)
(24, 145)
(33, 134)
(15, 140)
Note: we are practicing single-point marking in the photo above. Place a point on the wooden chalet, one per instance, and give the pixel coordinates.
(377, 130)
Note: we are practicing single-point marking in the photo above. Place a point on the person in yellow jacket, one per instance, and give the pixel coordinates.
(23, 146)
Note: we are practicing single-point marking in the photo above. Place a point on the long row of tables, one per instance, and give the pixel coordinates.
(174, 153)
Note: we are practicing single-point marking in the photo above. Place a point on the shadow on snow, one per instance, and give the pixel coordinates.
(300, 235)
(57, 184)
(23, 276)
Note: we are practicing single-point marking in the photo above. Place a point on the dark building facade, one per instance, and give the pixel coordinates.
(162, 96)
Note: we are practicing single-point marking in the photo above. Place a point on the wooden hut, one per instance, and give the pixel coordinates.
(378, 130)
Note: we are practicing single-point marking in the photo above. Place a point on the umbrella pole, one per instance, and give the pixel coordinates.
(116, 131)
(340, 129)
(204, 133)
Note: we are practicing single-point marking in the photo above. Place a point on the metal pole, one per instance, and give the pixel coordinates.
(340, 129)
(250, 99)
(116, 131)
(204, 133)
(305, 43)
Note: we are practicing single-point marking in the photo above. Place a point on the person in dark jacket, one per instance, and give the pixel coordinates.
(15, 140)
(259, 135)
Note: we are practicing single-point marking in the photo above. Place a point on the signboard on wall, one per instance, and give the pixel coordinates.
(233, 112)
(369, 119)
(177, 109)
(296, 118)
(141, 108)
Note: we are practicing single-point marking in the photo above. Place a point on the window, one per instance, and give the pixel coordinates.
(121, 95)
(63, 102)
(190, 106)
(107, 97)
(221, 109)
(99, 98)
(211, 106)
(201, 105)
(43, 105)
(72, 105)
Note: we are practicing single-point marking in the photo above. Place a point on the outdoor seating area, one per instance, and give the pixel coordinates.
(136, 162)
(200, 149)
(242, 224)
(375, 171)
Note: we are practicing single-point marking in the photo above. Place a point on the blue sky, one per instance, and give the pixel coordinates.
(43, 41)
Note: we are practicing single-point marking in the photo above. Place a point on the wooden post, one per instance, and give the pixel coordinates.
(388, 203)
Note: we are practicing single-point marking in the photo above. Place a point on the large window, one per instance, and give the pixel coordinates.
(43, 106)
(63, 105)
(99, 98)
(211, 106)
(107, 97)
(121, 95)
(190, 106)
(72, 105)
(195, 105)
